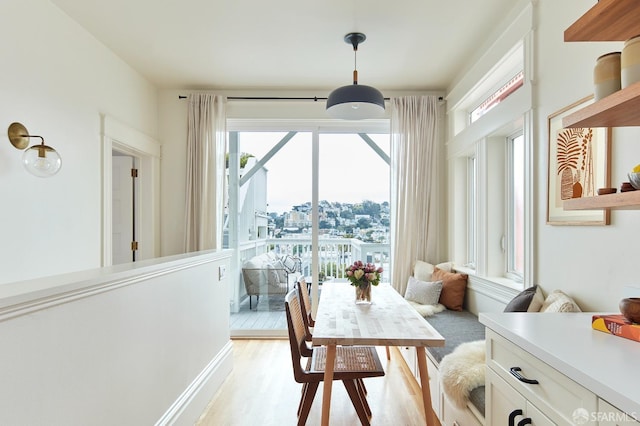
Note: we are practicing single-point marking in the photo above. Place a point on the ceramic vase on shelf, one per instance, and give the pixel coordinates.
(630, 62)
(363, 294)
(606, 75)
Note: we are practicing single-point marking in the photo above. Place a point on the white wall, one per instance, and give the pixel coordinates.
(172, 114)
(134, 344)
(57, 79)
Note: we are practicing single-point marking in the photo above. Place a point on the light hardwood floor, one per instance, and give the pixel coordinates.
(261, 391)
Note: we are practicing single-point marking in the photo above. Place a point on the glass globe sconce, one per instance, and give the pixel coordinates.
(40, 160)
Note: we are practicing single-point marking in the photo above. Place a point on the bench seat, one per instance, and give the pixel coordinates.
(457, 327)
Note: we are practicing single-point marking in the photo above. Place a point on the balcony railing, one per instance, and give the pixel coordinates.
(334, 254)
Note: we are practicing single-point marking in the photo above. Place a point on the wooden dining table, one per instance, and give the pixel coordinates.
(388, 321)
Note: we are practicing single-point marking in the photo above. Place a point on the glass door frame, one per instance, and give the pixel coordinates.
(316, 128)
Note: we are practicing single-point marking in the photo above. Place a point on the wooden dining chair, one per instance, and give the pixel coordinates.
(352, 364)
(305, 347)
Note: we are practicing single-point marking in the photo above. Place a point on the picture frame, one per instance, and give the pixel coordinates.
(578, 165)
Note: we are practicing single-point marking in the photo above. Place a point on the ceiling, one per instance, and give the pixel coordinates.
(291, 44)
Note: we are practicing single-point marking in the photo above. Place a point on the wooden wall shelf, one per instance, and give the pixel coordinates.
(619, 109)
(623, 200)
(608, 20)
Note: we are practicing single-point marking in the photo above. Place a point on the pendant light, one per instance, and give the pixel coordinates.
(356, 101)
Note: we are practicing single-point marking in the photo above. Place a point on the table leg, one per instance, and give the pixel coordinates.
(424, 383)
(328, 381)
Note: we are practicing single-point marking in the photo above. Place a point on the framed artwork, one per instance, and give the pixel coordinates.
(578, 165)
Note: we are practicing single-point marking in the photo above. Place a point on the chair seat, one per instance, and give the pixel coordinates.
(349, 359)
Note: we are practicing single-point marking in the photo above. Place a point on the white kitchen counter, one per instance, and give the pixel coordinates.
(605, 364)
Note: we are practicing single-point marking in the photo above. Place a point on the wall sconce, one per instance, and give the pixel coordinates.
(39, 160)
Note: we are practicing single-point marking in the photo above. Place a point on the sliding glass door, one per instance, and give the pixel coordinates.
(302, 203)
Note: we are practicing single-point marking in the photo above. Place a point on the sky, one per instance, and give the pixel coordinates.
(350, 171)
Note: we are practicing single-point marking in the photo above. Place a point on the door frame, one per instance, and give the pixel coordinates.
(128, 217)
(117, 136)
(315, 128)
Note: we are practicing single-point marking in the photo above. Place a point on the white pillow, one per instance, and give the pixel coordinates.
(557, 301)
(272, 256)
(272, 276)
(423, 292)
(280, 270)
(423, 270)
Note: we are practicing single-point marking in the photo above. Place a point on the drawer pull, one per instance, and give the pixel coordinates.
(515, 372)
(513, 415)
(523, 422)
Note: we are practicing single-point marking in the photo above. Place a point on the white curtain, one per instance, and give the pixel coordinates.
(414, 153)
(206, 148)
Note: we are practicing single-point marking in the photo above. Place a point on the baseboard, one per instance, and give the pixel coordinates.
(186, 410)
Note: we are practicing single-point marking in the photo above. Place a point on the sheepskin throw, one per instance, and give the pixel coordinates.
(462, 371)
(426, 310)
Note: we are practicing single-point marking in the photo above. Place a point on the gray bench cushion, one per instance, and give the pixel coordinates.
(456, 328)
(476, 397)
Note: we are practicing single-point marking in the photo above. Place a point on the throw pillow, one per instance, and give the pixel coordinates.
(280, 270)
(557, 301)
(423, 292)
(290, 264)
(426, 310)
(454, 286)
(272, 276)
(424, 270)
(528, 300)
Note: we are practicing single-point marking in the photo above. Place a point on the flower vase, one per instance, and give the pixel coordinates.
(363, 294)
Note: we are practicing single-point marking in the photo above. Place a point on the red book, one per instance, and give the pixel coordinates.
(617, 325)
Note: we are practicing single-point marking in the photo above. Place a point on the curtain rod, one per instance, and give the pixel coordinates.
(276, 98)
(266, 98)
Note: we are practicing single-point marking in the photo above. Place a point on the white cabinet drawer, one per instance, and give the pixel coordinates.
(506, 407)
(550, 391)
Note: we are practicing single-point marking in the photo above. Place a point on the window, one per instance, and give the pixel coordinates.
(498, 96)
(491, 126)
(515, 207)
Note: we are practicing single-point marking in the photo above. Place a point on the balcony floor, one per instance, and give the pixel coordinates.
(269, 314)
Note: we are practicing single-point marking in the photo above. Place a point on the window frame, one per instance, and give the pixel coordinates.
(510, 248)
(472, 212)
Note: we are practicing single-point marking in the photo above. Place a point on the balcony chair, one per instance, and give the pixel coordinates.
(353, 363)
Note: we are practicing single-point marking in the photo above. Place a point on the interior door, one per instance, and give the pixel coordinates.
(123, 210)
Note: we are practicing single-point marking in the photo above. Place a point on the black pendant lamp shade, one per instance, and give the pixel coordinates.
(356, 101)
